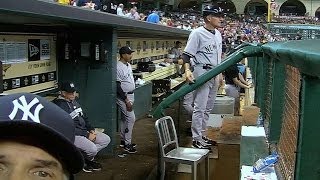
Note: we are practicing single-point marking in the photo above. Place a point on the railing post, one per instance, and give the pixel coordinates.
(265, 89)
(308, 147)
(258, 81)
(262, 82)
(277, 101)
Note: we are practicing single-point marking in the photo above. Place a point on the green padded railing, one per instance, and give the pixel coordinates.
(248, 51)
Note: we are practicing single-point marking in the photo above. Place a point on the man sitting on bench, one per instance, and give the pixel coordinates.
(87, 139)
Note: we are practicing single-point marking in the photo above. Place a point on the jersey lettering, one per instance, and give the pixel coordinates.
(210, 48)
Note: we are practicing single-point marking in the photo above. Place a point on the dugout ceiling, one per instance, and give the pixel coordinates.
(40, 13)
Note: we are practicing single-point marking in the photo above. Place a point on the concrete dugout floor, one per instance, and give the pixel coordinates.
(142, 165)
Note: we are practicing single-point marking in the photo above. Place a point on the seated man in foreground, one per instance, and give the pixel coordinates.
(87, 139)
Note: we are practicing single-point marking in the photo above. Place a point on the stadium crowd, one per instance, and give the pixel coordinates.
(237, 28)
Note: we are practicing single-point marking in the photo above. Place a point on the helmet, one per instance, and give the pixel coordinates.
(212, 10)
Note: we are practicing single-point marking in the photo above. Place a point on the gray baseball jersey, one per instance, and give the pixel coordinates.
(209, 50)
(125, 76)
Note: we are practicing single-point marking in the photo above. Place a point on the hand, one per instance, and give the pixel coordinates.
(92, 137)
(189, 76)
(128, 105)
(249, 86)
(168, 60)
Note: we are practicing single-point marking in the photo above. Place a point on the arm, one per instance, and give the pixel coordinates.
(64, 105)
(122, 95)
(88, 124)
(239, 83)
(189, 52)
(188, 73)
(242, 79)
(82, 115)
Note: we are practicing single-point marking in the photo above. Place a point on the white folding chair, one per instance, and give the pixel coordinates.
(171, 152)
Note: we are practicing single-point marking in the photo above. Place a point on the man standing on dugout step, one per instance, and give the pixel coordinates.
(125, 98)
(205, 47)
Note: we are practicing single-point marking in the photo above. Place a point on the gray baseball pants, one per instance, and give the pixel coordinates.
(204, 98)
(188, 102)
(90, 148)
(234, 91)
(127, 120)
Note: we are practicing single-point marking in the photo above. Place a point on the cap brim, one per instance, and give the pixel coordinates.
(217, 14)
(52, 142)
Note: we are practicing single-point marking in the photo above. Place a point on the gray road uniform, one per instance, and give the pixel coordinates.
(126, 80)
(206, 48)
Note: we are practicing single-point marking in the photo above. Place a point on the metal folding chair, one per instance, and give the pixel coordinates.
(171, 152)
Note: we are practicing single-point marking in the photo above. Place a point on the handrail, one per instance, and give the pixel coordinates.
(302, 54)
(247, 51)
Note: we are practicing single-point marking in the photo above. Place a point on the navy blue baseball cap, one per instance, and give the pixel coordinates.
(125, 50)
(32, 116)
(212, 10)
(68, 86)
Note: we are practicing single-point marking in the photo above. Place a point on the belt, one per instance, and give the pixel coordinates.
(207, 66)
(131, 92)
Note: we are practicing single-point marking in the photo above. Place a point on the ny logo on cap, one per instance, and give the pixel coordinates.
(25, 108)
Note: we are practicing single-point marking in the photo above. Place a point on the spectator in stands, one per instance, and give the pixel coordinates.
(169, 22)
(133, 14)
(64, 2)
(120, 10)
(136, 15)
(130, 14)
(82, 3)
(89, 141)
(154, 17)
(234, 81)
(36, 140)
(97, 4)
(109, 6)
(142, 17)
